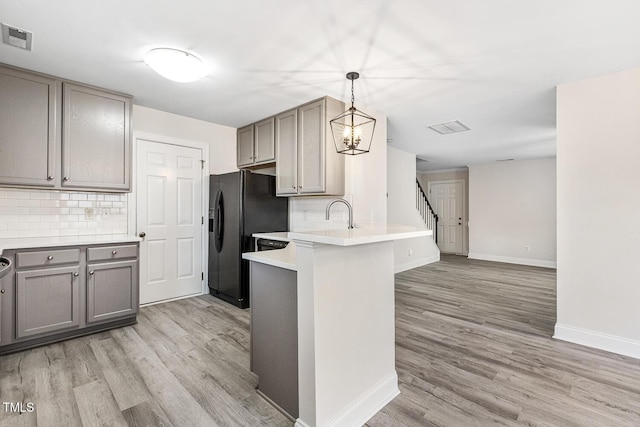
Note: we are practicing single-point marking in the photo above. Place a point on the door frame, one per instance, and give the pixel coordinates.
(465, 224)
(132, 201)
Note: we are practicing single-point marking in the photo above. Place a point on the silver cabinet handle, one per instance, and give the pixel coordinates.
(50, 178)
(50, 257)
(114, 252)
(66, 178)
(91, 273)
(76, 274)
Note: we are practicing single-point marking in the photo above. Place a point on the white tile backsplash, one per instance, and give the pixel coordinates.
(47, 213)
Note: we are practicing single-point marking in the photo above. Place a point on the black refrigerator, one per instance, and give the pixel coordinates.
(240, 204)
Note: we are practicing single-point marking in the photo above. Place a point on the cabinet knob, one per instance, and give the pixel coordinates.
(1, 291)
(50, 257)
(91, 273)
(76, 274)
(66, 178)
(50, 178)
(300, 187)
(114, 252)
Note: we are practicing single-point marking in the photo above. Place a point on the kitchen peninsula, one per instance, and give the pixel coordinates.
(344, 285)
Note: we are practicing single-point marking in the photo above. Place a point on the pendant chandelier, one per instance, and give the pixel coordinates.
(353, 130)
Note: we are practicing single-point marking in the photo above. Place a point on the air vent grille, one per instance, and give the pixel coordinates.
(446, 128)
(16, 37)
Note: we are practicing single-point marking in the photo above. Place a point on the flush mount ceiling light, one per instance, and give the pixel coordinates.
(176, 65)
(353, 130)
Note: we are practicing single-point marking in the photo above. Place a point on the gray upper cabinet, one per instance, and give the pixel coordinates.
(56, 134)
(265, 150)
(256, 144)
(29, 134)
(245, 152)
(287, 153)
(96, 142)
(308, 163)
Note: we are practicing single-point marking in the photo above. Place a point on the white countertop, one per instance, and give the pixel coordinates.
(280, 236)
(360, 236)
(283, 258)
(47, 242)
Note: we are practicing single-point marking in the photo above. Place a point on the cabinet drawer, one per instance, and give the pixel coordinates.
(108, 253)
(45, 258)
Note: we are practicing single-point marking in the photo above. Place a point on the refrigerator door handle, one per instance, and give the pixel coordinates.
(219, 221)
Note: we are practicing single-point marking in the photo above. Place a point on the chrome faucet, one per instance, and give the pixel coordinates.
(348, 207)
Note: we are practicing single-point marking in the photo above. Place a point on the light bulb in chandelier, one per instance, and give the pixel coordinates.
(352, 130)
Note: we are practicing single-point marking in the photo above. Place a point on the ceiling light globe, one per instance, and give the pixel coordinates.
(175, 65)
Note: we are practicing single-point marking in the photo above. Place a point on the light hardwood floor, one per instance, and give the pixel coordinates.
(473, 348)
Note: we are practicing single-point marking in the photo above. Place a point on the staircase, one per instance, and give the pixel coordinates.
(427, 213)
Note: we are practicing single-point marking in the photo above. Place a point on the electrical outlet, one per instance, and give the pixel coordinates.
(89, 214)
(106, 212)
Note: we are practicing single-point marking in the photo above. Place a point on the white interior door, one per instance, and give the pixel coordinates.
(169, 213)
(446, 199)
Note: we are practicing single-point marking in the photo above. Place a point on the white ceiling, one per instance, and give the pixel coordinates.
(492, 64)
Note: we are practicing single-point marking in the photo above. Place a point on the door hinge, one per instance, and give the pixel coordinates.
(202, 275)
(202, 164)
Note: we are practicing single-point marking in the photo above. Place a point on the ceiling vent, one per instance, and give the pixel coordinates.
(449, 127)
(16, 37)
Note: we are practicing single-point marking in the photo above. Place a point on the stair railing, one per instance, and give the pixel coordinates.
(429, 216)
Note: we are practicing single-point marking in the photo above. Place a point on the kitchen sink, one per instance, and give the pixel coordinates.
(5, 266)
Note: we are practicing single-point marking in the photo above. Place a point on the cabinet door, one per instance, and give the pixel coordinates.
(265, 149)
(47, 300)
(28, 130)
(245, 146)
(311, 146)
(286, 153)
(95, 139)
(112, 290)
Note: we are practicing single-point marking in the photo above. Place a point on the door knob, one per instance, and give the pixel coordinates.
(142, 234)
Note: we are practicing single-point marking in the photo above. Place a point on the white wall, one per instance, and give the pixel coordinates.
(401, 209)
(512, 212)
(221, 139)
(598, 212)
(365, 189)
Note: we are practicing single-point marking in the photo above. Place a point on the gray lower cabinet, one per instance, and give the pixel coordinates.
(47, 300)
(51, 294)
(112, 290)
(274, 334)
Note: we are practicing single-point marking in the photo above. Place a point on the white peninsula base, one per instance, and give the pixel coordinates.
(346, 324)
(346, 321)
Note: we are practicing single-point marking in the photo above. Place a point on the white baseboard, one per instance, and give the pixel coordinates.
(512, 260)
(364, 407)
(417, 263)
(599, 340)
